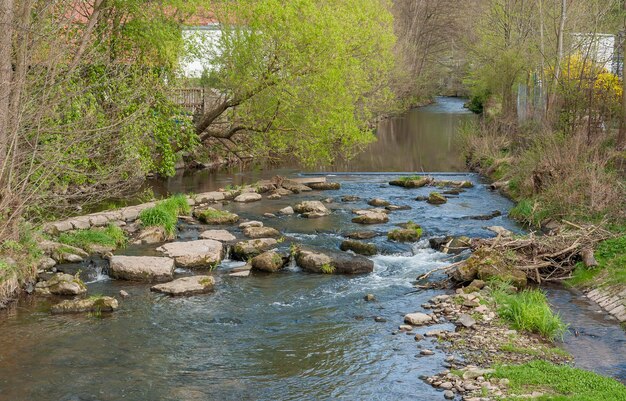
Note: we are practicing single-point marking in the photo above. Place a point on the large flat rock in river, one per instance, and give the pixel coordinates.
(200, 253)
(141, 268)
(186, 286)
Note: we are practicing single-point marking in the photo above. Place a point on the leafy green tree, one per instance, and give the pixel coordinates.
(299, 77)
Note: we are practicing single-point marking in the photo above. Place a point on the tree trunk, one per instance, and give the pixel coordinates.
(559, 56)
(6, 78)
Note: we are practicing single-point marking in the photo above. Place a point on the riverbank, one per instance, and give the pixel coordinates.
(560, 186)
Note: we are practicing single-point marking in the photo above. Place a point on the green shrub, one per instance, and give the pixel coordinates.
(112, 235)
(327, 268)
(529, 311)
(611, 257)
(165, 213)
(562, 383)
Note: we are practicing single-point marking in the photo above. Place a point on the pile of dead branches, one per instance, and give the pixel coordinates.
(548, 257)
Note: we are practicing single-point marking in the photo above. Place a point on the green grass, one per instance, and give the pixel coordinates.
(110, 236)
(411, 178)
(529, 311)
(327, 268)
(611, 257)
(165, 213)
(529, 212)
(560, 383)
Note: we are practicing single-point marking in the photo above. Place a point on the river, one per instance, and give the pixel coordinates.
(285, 336)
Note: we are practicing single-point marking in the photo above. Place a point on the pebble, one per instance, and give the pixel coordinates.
(419, 337)
(426, 352)
(124, 294)
(369, 297)
(448, 395)
(380, 319)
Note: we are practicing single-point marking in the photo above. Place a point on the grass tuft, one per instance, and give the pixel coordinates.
(112, 235)
(529, 311)
(560, 383)
(165, 213)
(327, 268)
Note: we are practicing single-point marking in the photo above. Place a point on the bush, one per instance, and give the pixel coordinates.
(529, 311)
(165, 213)
(560, 382)
(110, 236)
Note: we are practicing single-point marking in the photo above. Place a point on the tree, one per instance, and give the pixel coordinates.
(80, 122)
(299, 77)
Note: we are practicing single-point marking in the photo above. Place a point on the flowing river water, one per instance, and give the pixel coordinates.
(288, 335)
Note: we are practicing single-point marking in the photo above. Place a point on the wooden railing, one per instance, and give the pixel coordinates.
(192, 100)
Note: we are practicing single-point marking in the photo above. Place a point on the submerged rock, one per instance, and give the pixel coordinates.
(91, 304)
(214, 216)
(261, 232)
(311, 209)
(186, 286)
(325, 261)
(350, 198)
(270, 261)
(435, 198)
(287, 211)
(371, 218)
(359, 247)
(324, 186)
(61, 284)
(200, 253)
(361, 234)
(141, 268)
(244, 250)
(295, 187)
(217, 235)
(411, 182)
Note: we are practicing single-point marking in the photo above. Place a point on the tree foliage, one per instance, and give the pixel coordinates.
(300, 77)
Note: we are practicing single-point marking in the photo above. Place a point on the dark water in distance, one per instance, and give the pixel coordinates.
(284, 336)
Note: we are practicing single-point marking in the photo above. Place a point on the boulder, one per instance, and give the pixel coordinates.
(436, 198)
(317, 261)
(200, 253)
(244, 250)
(361, 212)
(213, 216)
(311, 209)
(504, 273)
(377, 202)
(487, 264)
(361, 234)
(218, 235)
(453, 184)
(61, 284)
(393, 208)
(269, 261)
(91, 304)
(418, 319)
(324, 186)
(152, 235)
(287, 211)
(141, 268)
(282, 192)
(252, 223)
(186, 286)
(63, 253)
(371, 218)
(466, 320)
(274, 196)
(248, 197)
(261, 232)
(46, 263)
(410, 233)
(359, 247)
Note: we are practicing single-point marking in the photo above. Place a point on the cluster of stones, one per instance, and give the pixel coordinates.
(477, 342)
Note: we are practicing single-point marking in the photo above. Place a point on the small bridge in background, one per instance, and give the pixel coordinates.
(194, 101)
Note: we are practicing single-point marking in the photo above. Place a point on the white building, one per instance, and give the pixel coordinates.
(599, 47)
(201, 42)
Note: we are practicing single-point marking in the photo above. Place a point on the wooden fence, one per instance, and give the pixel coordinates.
(192, 100)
